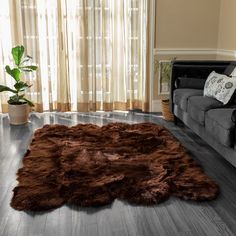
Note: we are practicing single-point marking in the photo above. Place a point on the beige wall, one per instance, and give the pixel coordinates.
(194, 24)
(227, 26)
(187, 23)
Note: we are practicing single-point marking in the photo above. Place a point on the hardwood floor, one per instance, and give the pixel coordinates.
(173, 217)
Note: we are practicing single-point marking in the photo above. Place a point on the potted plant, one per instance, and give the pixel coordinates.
(165, 77)
(18, 104)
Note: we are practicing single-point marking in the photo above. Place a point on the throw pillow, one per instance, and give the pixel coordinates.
(220, 87)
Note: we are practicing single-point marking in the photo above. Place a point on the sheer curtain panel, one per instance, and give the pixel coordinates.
(92, 54)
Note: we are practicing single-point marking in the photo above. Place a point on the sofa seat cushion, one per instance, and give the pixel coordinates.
(199, 105)
(181, 96)
(219, 125)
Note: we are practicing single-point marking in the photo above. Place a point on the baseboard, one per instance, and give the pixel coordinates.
(156, 105)
(194, 51)
(228, 53)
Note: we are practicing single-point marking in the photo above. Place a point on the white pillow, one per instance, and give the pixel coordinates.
(220, 87)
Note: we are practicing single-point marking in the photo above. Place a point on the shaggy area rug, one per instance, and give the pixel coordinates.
(88, 165)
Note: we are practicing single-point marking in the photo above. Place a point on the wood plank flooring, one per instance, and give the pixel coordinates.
(174, 217)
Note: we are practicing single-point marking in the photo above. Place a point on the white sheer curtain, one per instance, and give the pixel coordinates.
(5, 49)
(92, 54)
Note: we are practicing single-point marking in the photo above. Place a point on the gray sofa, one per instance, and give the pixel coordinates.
(207, 117)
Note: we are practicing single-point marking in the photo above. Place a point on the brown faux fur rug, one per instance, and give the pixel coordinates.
(88, 165)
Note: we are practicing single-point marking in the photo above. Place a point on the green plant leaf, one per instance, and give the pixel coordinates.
(14, 73)
(5, 88)
(18, 100)
(14, 99)
(29, 102)
(17, 53)
(27, 58)
(21, 86)
(28, 68)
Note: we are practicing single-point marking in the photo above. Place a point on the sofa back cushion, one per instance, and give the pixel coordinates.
(192, 83)
(181, 96)
(199, 105)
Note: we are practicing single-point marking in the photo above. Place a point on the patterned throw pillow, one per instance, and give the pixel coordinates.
(220, 87)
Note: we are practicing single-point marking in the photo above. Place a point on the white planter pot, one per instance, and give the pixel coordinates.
(18, 114)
